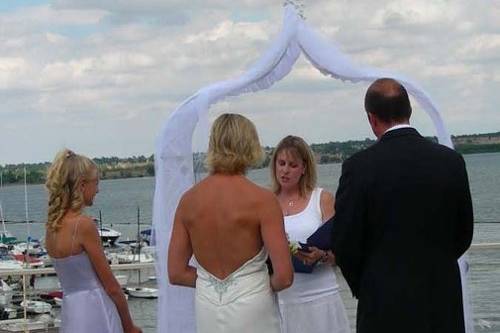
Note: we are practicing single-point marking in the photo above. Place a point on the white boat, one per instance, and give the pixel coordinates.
(9, 313)
(5, 236)
(35, 249)
(6, 293)
(58, 301)
(147, 236)
(10, 264)
(126, 258)
(36, 306)
(149, 250)
(7, 261)
(140, 292)
(30, 261)
(483, 324)
(22, 325)
(109, 235)
(5, 298)
(47, 260)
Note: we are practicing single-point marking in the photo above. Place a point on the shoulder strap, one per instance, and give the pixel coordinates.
(74, 234)
(317, 197)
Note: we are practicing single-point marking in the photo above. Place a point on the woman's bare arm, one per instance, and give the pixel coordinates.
(91, 242)
(327, 204)
(180, 252)
(274, 237)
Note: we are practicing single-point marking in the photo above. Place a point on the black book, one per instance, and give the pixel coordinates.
(322, 237)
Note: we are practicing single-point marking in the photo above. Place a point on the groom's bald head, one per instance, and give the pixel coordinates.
(388, 100)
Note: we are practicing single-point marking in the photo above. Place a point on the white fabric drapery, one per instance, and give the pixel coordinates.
(174, 156)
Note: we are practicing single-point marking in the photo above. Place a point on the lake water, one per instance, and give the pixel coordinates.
(118, 201)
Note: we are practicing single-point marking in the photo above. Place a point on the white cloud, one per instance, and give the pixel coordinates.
(55, 38)
(10, 69)
(44, 15)
(481, 47)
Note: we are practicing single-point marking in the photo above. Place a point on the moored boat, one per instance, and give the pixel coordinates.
(36, 306)
(58, 301)
(108, 235)
(33, 262)
(22, 325)
(6, 293)
(141, 292)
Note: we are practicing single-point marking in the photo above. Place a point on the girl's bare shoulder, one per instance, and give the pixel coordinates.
(86, 223)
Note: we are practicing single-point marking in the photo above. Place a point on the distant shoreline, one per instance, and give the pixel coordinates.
(326, 153)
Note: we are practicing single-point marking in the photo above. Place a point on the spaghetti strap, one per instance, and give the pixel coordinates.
(317, 197)
(74, 235)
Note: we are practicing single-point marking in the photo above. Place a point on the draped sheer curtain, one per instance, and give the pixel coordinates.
(174, 154)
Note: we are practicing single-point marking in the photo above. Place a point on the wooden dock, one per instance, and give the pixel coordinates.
(51, 270)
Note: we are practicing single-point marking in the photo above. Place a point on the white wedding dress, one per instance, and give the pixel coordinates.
(243, 302)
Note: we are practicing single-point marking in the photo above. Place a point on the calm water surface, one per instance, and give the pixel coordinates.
(118, 201)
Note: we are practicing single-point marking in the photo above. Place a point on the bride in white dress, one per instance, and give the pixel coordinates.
(313, 303)
(230, 225)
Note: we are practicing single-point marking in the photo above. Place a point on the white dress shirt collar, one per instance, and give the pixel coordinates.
(398, 126)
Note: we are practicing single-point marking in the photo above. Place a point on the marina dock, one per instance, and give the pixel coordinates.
(47, 322)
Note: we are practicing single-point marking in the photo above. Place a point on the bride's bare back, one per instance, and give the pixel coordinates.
(226, 219)
(223, 221)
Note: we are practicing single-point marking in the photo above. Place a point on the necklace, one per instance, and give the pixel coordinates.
(291, 203)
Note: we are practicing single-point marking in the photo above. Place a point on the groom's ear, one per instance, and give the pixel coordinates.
(374, 123)
(371, 119)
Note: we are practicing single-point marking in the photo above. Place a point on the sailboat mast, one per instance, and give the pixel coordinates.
(27, 217)
(3, 220)
(1, 207)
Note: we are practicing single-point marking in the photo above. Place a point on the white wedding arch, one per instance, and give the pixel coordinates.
(174, 154)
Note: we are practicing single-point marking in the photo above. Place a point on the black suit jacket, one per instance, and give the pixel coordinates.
(403, 218)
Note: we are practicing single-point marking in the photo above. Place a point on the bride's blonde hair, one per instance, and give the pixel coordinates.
(64, 177)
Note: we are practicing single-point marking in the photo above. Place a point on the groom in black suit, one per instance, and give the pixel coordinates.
(403, 218)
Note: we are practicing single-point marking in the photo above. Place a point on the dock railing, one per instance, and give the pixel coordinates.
(51, 270)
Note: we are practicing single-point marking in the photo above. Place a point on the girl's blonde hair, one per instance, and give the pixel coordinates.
(234, 145)
(64, 178)
(297, 147)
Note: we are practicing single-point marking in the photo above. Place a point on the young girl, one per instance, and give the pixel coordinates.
(93, 300)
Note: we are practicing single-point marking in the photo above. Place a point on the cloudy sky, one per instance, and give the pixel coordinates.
(100, 76)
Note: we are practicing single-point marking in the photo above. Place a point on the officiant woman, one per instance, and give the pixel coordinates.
(313, 302)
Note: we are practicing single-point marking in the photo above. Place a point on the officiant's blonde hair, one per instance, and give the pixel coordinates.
(233, 146)
(298, 148)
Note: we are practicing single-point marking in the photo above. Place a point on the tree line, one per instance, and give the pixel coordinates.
(143, 166)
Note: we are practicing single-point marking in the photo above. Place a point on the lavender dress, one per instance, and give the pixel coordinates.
(86, 305)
